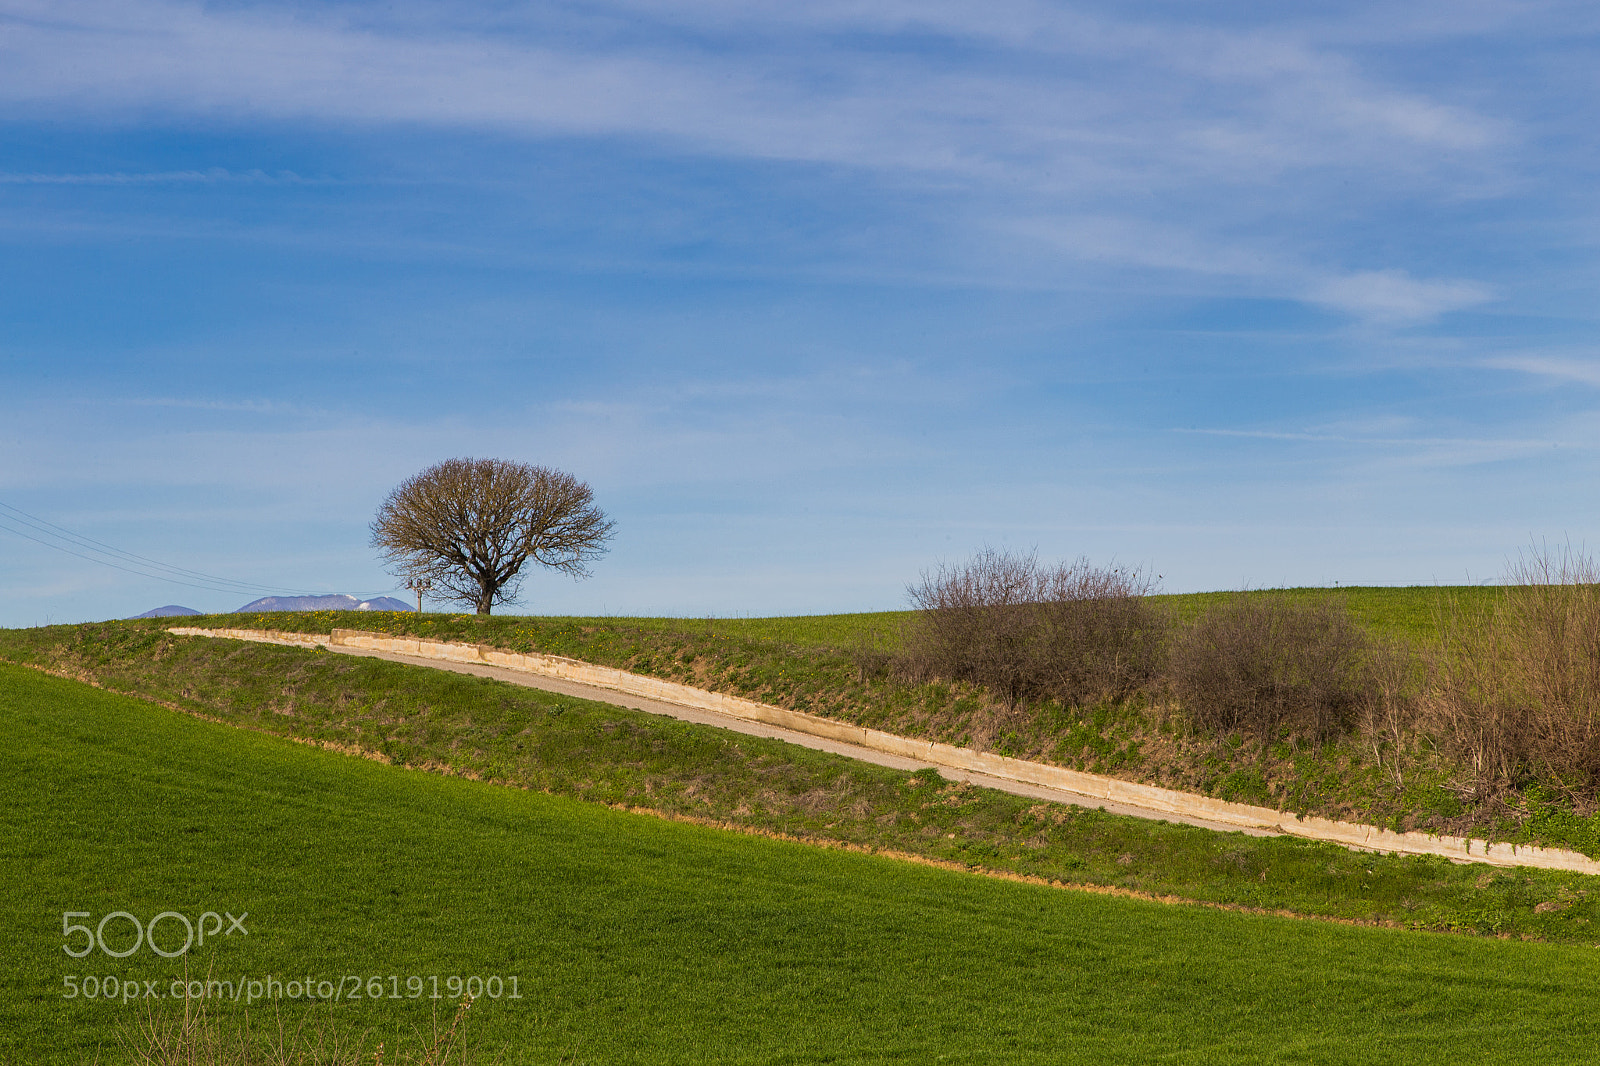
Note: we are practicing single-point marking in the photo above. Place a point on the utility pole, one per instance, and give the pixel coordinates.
(419, 585)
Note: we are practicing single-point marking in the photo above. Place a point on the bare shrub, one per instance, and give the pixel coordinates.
(1518, 694)
(1389, 708)
(1259, 663)
(1102, 638)
(975, 620)
(1471, 711)
(1072, 631)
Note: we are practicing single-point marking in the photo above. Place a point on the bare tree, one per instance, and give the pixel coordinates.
(470, 525)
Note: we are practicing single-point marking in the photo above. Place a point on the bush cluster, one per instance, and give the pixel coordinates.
(1080, 633)
(1073, 631)
(1510, 693)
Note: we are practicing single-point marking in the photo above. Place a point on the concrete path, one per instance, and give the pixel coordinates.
(805, 740)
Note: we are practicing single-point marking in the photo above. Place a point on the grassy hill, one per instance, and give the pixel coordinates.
(839, 666)
(475, 727)
(639, 940)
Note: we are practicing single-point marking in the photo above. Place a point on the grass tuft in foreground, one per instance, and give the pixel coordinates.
(193, 1034)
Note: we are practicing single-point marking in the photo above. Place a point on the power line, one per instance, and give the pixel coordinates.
(50, 529)
(104, 562)
(66, 541)
(129, 563)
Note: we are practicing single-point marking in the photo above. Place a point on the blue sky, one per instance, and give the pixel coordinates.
(814, 295)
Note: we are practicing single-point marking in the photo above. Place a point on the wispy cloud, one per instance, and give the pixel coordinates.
(211, 176)
(1389, 297)
(839, 91)
(1165, 143)
(1345, 438)
(1405, 451)
(1394, 297)
(1581, 369)
(261, 406)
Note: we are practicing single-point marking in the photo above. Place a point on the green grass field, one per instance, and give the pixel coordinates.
(1411, 613)
(640, 940)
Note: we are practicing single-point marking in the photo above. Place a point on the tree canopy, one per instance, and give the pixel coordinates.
(471, 525)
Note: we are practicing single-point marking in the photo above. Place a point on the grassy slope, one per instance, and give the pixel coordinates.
(474, 726)
(814, 664)
(643, 941)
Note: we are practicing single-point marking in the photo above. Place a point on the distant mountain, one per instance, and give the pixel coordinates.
(171, 610)
(384, 603)
(322, 603)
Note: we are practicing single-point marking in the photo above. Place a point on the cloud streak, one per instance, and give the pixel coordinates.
(1213, 103)
(212, 176)
(1394, 297)
(1057, 119)
(1575, 369)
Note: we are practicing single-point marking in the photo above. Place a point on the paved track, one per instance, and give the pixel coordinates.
(761, 729)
